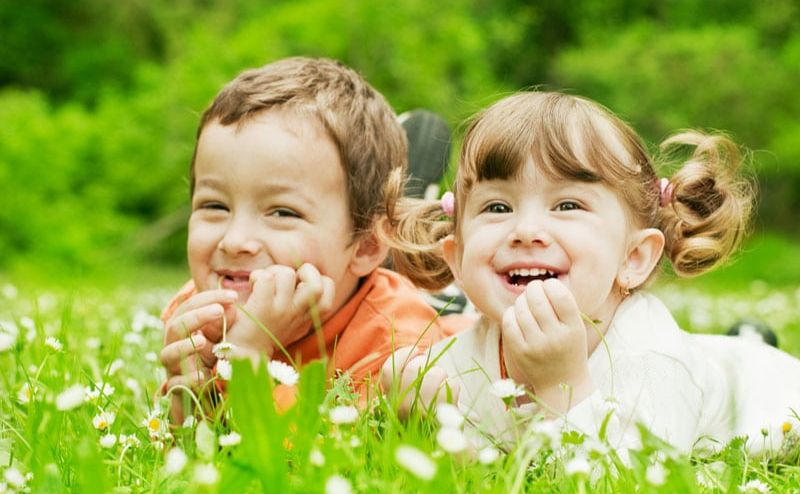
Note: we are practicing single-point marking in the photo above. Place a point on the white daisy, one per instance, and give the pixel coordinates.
(103, 420)
(336, 484)
(129, 441)
(283, 373)
(754, 485)
(343, 414)
(578, 465)
(53, 343)
(189, 422)
(7, 341)
(70, 398)
(488, 455)
(25, 394)
(415, 461)
(223, 349)
(230, 439)
(449, 415)
(656, 474)
(175, 461)
(451, 440)
(506, 389)
(108, 441)
(224, 369)
(206, 474)
(316, 458)
(156, 425)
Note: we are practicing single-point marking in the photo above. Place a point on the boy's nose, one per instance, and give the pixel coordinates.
(239, 238)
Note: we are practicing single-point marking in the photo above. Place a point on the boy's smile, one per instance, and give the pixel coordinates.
(269, 190)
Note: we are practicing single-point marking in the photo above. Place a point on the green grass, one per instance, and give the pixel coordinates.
(109, 332)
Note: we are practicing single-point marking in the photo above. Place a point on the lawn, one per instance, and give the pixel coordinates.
(82, 371)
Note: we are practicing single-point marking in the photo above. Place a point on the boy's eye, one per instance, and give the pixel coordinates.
(214, 205)
(568, 206)
(497, 208)
(284, 213)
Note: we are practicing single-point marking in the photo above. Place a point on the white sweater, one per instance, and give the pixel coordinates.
(685, 388)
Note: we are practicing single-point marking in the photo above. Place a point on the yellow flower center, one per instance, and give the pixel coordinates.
(786, 427)
(154, 424)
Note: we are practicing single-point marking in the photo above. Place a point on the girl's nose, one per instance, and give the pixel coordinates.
(530, 231)
(239, 238)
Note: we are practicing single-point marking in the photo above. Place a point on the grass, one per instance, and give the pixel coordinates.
(77, 338)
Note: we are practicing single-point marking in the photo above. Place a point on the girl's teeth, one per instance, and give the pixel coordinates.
(530, 272)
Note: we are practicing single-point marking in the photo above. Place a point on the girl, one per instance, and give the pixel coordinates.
(559, 222)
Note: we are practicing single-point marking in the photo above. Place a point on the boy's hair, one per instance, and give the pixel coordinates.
(372, 144)
(577, 139)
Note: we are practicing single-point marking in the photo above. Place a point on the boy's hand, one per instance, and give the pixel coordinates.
(432, 388)
(545, 344)
(281, 301)
(189, 336)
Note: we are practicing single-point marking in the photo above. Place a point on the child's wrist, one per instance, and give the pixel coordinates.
(561, 396)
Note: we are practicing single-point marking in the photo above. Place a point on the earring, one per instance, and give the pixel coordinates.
(624, 288)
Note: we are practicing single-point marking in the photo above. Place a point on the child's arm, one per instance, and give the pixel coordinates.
(280, 303)
(546, 345)
(418, 391)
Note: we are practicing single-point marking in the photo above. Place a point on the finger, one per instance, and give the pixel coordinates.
(202, 318)
(327, 297)
(527, 324)
(512, 334)
(563, 302)
(394, 365)
(172, 354)
(541, 308)
(207, 297)
(309, 289)
(431, 389)
(262, 292)
(407, 380)
(285, 283)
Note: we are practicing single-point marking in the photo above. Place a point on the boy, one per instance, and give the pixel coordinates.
(296, 163)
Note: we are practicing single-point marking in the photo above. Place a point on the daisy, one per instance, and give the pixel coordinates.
(506, 389)
(224, 369)
(451, 440)
(449, 415)
(336, 484)
(231, 439)
(283, 373)
(156, 426)
(70, 398)
(488, 455)
(415, 461)
(53, 343)
(206, 474)
(108, 441)
(103, 420)
(7, 341)
(754, 485)
(223, 349)
(343, 414)
(175, 461)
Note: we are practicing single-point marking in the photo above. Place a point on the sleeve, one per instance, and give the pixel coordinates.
(651, 390)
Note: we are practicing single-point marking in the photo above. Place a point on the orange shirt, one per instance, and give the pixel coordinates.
(386, 313)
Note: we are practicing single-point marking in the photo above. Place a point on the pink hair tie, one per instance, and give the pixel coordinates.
(665, 189)
(448, 203)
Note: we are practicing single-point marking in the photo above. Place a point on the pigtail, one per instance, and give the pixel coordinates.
(706, 207)
(415, 229)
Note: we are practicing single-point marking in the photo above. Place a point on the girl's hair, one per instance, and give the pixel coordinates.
(704, 211)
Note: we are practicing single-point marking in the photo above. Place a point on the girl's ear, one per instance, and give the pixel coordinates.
(451, 257)
(368, 255)
(644, 252)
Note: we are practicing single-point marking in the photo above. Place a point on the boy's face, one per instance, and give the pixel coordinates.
(269, 191)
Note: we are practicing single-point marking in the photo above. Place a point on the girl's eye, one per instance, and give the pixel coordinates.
(497, 208)
(568, 206)
(284, 213)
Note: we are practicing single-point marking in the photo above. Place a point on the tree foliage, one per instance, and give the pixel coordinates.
(99, 101)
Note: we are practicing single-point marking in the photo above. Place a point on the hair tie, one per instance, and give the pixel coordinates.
(448, 203)
(665, 192)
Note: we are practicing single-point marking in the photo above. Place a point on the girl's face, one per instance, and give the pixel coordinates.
(532, 227)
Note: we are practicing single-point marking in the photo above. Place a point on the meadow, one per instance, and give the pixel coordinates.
(82, 412)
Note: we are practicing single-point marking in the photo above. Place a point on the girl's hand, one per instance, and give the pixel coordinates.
(423, 394)
(545, 344)
(281, 301)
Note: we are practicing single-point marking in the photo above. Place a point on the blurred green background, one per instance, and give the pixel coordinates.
(99, 101)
